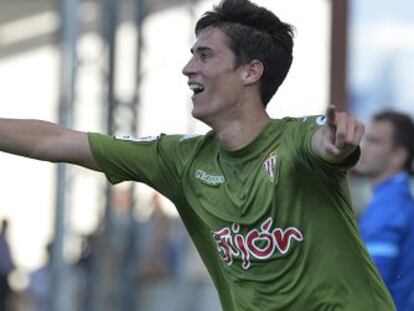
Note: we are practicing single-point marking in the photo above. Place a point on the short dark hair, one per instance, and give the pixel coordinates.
(254, 33)
(403, 133)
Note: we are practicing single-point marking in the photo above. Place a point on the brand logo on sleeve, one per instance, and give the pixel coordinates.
(209, 179)
(130, 138)
(258, 244)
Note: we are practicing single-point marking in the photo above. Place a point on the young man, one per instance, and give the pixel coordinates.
(265, 201)
(387, 225)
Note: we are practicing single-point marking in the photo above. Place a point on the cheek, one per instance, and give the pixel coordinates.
(372, 153)
(230, 85)
(220, 88)
(371, 156)
(379, 157)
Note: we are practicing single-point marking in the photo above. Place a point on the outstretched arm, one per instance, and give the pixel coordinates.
(46, 141)
(338, 138)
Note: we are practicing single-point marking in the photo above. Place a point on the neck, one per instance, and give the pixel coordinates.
(383, 176)
(238, 133)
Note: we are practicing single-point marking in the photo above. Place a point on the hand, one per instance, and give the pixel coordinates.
(339, 137)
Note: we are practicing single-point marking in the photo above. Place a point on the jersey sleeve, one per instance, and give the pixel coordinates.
(302, 131)
(155, 161)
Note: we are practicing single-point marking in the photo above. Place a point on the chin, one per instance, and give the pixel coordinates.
(359, 170)
(198, 112)
(201, 116)
(366, 173)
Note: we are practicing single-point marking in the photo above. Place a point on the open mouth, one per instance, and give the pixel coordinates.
(196, 87)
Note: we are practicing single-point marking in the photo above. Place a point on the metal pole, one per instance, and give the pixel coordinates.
(339, 45)
(68, 36)
(102, 298)
(110, 24)
(130, 286)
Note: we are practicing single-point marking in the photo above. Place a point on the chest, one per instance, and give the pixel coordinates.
(243, 190)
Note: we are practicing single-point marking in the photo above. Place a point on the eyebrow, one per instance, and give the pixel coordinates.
(201, 49)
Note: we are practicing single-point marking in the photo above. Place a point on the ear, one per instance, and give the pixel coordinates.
(399, 157)
(252, 72)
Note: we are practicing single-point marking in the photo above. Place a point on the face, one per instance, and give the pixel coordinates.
(217, 85)
(377, 150)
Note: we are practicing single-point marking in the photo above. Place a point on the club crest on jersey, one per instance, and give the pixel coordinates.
(258, 243)
(270, 166)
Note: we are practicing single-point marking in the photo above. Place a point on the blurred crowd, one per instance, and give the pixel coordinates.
(161, 271)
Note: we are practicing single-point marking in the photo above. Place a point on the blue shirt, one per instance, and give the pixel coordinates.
(387, 228)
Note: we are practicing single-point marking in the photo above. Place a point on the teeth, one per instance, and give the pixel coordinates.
(196, 88)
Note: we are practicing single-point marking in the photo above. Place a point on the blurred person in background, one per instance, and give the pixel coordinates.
(160, 249)
(387, 224)
(86, 266)
(6, 266)
(265, 201)
(203, 295)
(38, 289)
(157, 250)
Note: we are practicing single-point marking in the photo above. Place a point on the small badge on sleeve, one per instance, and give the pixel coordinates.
(130, 138)
(321, 120)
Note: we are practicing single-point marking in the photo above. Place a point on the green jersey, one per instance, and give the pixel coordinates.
(272, 222)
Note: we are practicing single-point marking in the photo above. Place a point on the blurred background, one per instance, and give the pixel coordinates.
(75, 242)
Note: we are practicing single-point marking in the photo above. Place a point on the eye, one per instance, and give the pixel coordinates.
(203, 55)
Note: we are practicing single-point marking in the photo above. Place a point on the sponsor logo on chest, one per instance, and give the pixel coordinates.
(259, 244)
(209, 179)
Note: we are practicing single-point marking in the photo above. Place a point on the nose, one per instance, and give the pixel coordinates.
(189, 68)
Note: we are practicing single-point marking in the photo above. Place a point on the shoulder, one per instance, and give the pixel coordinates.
(305, 121)
(302, 126)
(298, 131)
(170, 139)
(393, 209)
(188, 143)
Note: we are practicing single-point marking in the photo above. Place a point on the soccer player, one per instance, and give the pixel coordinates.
(265, 201)
(387, 225)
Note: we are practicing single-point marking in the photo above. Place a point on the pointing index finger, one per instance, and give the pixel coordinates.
(330, 115)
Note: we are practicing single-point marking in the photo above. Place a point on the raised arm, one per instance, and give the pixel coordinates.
(338, 138)
(46, 141)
